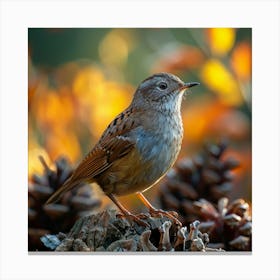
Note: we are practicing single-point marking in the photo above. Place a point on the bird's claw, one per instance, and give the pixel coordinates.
(172, 215)
(134, 218)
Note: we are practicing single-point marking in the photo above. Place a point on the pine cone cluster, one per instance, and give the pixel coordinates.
(207, 176)
(47, 219)
(198, 189)
(229, 225)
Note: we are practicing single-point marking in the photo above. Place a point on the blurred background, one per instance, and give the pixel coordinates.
(80, 79)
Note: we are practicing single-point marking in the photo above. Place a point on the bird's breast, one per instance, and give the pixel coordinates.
(160, 146)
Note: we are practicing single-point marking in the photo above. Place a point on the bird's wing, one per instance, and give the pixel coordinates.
(102, 157)
(114, 144)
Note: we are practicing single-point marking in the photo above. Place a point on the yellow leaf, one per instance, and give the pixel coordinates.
(221, 82)
(221, 40)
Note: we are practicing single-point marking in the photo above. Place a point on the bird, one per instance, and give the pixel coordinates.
(138, 147)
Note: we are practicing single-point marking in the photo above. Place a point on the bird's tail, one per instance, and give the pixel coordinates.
(67, 186)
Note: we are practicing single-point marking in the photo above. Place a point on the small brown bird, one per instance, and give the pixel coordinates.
(138, 147)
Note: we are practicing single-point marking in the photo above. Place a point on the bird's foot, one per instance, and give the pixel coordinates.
(134, 218)
(172, 215)
(143, 216)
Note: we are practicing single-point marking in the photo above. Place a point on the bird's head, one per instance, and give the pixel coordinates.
(162, 90)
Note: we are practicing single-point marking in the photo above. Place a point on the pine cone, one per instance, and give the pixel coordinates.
(229, 224)
(207, 176)
(47, 219)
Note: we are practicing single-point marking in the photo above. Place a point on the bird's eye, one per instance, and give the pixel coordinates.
(163, 86)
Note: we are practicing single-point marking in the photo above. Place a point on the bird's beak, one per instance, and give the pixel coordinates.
(189, 85)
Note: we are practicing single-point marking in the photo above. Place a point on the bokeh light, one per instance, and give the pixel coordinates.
(80, 79)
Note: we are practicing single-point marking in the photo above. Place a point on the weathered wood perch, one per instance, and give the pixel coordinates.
(107, 231)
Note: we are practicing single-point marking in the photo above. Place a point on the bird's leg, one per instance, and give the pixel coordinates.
(172, 215)
(126, 213)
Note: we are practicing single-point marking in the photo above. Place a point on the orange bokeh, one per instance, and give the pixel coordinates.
(241, 61)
